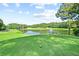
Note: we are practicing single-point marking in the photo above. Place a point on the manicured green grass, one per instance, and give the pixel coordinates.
(43, 45)
(13, 33)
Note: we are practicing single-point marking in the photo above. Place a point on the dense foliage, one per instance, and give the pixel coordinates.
(2, 25)
(50, 25)
(70, 12)
(16, 26)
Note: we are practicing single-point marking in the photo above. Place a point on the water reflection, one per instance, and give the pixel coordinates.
(32, 33)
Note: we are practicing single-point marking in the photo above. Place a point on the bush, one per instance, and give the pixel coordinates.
(3, 27)
(76, 31)
(1, 24)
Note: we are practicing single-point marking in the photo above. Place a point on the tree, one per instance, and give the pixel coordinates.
(17, 26)
(1, 22)
(13, 26)
(2, 25)
(68, 11)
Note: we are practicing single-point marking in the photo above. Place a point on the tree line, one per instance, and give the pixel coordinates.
(50, 25)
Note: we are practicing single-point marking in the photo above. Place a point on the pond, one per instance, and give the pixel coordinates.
(45, 32)
(29, 32)
(38, 32)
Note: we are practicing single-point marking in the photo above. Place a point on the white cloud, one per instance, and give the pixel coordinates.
(54, 4)
(42, 5)
(9, 10)
(17, 5)
(23, 12)
(27, 12)
(20, 12)
(47, 15)
(5, 4)
(38, 5)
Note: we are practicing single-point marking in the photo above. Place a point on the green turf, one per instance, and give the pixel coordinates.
(10, 34)
(40, 45)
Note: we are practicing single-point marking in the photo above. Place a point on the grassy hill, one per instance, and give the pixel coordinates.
(16, 43)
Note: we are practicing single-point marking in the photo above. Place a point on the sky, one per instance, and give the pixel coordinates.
(29, 13)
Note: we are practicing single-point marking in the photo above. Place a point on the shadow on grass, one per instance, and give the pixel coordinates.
(38, 45)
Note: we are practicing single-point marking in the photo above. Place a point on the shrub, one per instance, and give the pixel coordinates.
(76, 31)
(1, 24)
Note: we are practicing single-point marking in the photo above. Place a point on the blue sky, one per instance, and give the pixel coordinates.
(28, 13)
